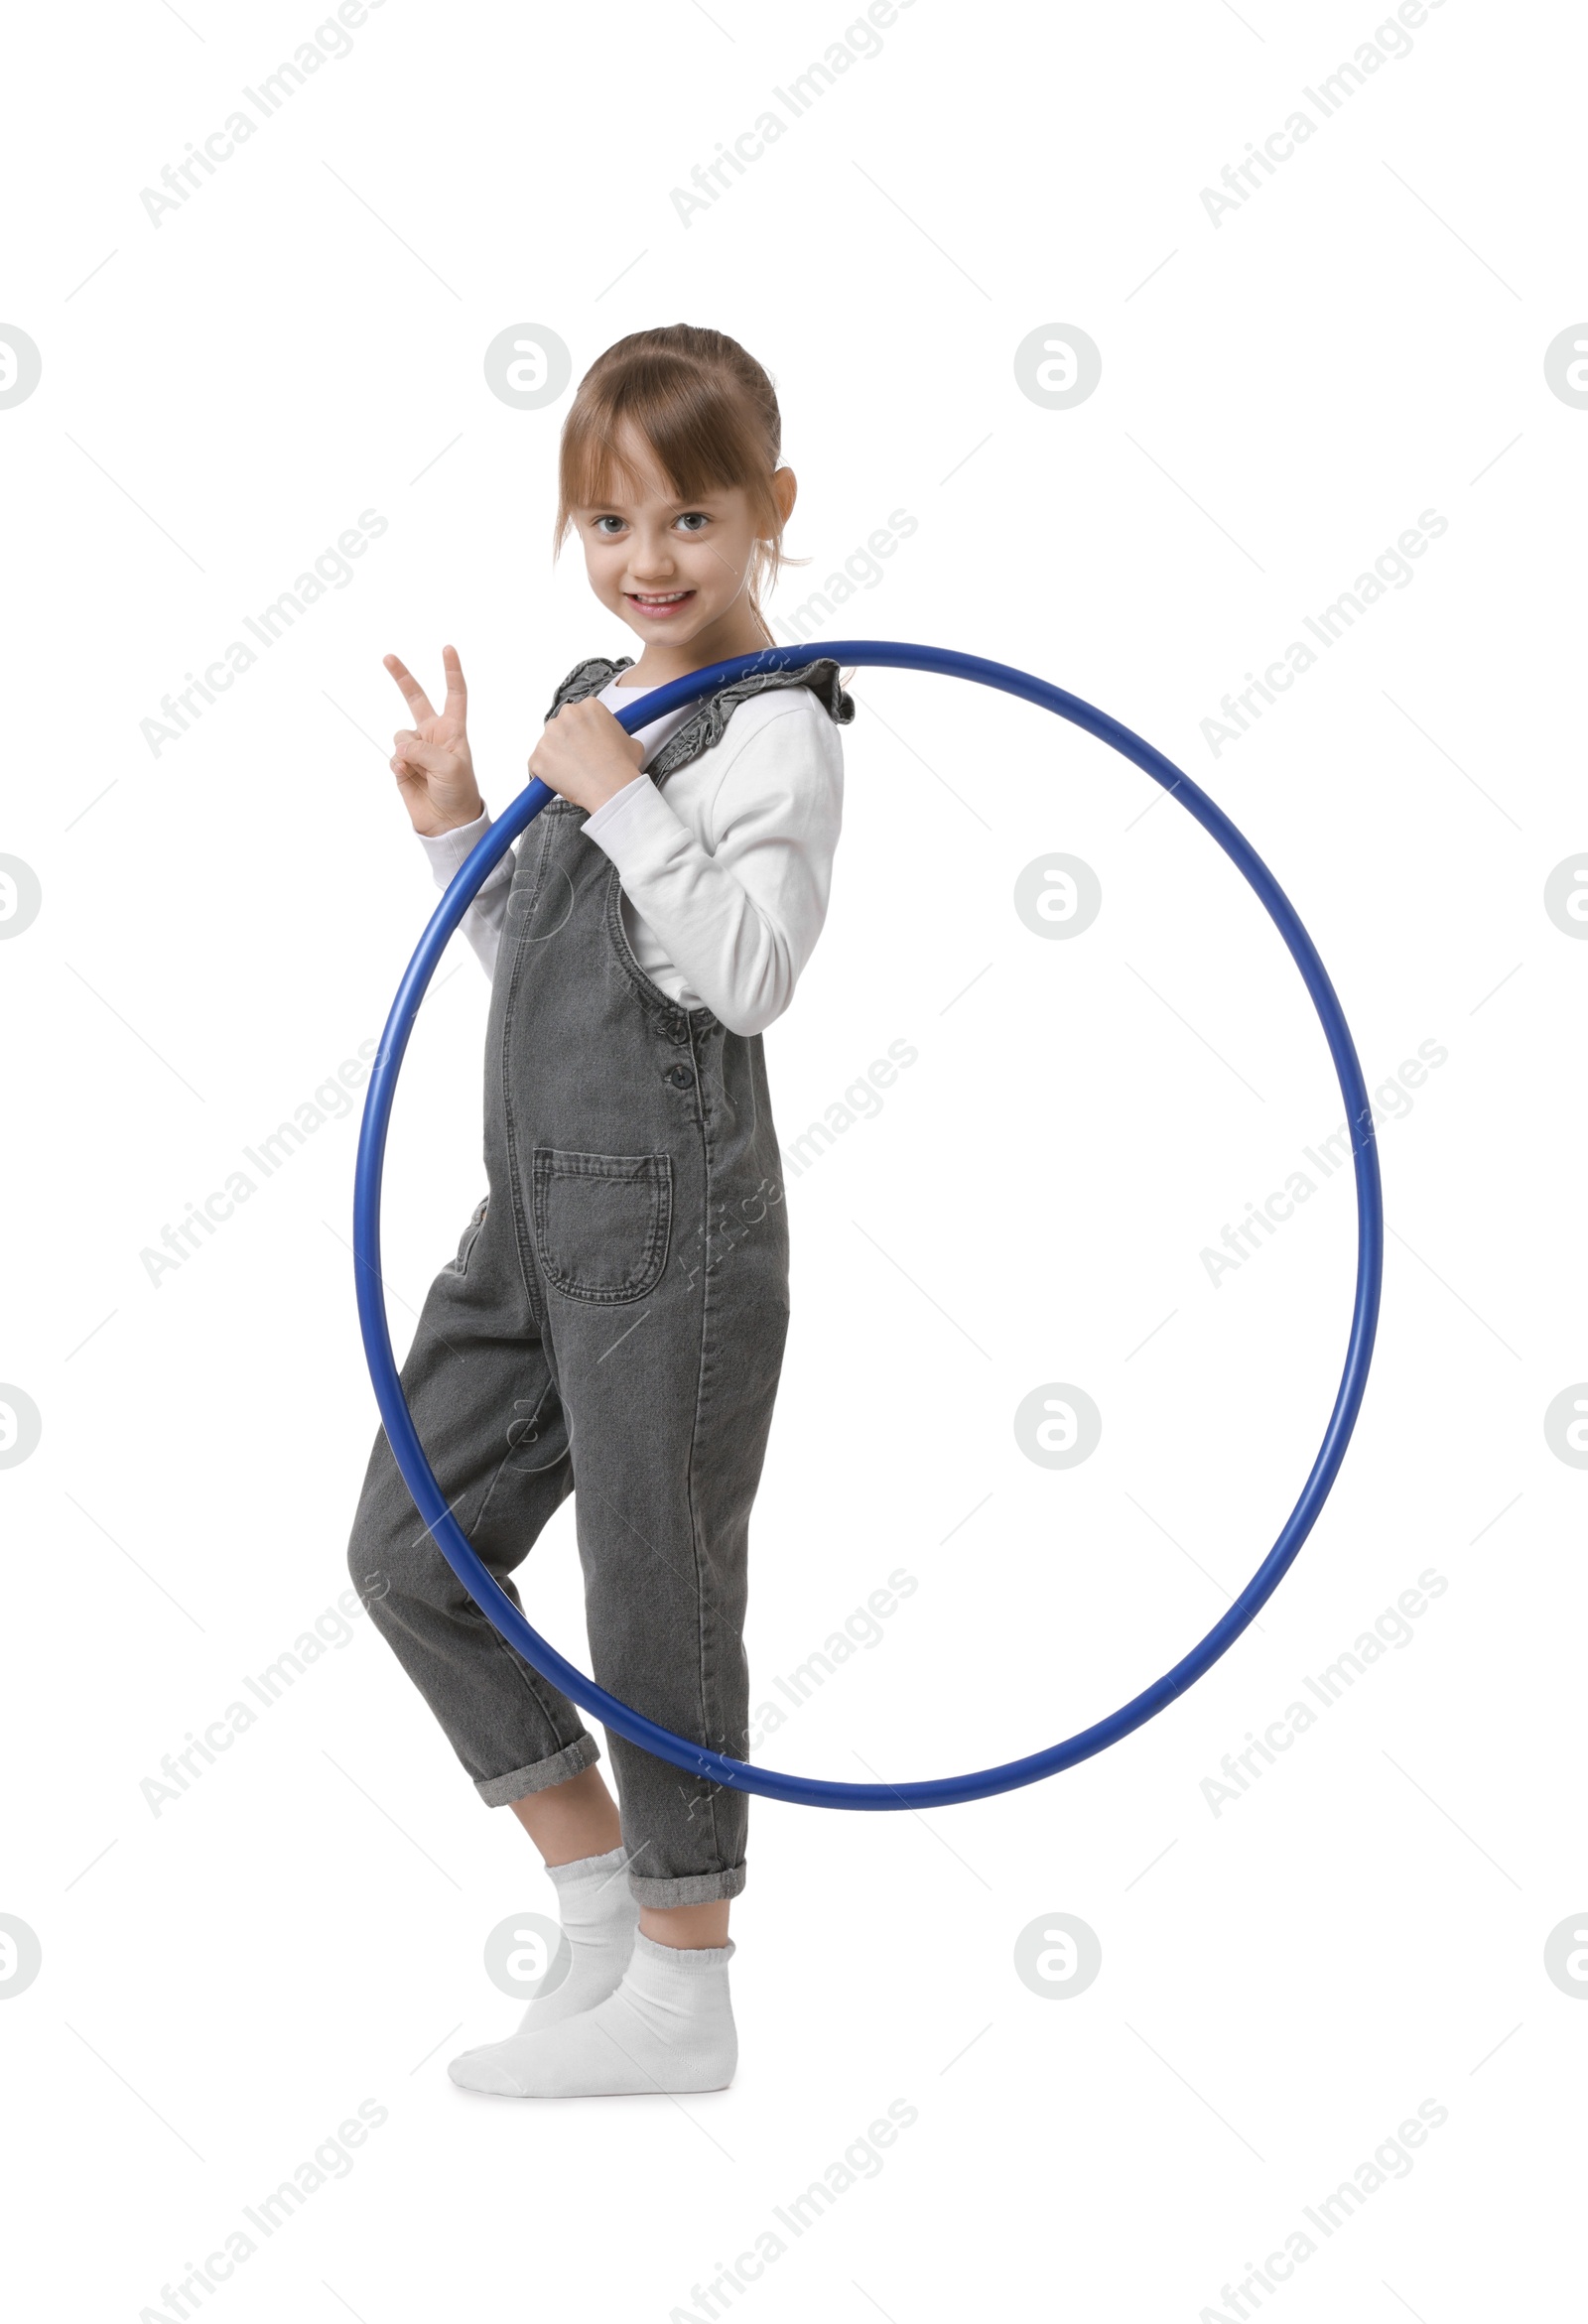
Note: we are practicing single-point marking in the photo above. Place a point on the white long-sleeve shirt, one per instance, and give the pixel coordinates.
(725, 870)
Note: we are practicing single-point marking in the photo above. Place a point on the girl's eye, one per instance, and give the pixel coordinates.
(695, 521)
(609, 525)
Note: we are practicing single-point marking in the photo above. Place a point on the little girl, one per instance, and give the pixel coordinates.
(613, 1324)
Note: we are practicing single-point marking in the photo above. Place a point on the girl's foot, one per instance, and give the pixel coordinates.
(669, 2027)
(598, 1917)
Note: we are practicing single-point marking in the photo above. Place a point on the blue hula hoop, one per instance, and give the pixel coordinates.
(492, 1600)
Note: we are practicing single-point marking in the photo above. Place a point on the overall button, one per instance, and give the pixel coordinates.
(681, 1077)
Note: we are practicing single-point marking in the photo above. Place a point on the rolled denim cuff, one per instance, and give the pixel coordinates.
(690, 1889)
(499, 1791)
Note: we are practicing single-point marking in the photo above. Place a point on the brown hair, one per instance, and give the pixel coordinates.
(708, 411)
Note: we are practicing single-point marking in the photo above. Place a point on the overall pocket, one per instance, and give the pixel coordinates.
(602, 1222)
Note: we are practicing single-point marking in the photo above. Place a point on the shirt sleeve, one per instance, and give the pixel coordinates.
(740, 917)
(483, 921)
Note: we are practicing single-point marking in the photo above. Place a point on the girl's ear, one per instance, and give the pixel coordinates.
(784, 491)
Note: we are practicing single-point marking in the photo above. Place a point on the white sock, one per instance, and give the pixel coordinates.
(669, 2027)
(598, 1917)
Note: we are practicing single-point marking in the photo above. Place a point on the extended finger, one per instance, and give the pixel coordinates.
(457, 704)
(413, 692)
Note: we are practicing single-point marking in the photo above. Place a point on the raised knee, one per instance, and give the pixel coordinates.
(386, 1550)
(392, 1559)
(368, 1571)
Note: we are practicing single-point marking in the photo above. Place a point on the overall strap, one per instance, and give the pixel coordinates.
(707, 723)
(588, 678)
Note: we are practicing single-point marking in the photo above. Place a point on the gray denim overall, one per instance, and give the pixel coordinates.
(612, 1327)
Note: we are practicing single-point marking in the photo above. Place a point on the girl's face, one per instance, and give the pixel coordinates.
(673, 569)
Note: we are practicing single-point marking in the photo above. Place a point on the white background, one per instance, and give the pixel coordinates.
(1282, 394)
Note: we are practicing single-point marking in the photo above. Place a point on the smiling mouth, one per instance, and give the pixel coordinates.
(659, 602)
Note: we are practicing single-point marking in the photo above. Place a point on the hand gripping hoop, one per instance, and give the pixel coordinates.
(493, 1601)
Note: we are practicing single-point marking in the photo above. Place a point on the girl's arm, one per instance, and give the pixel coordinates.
(435, 773)
(483, 922)
(740, 917)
